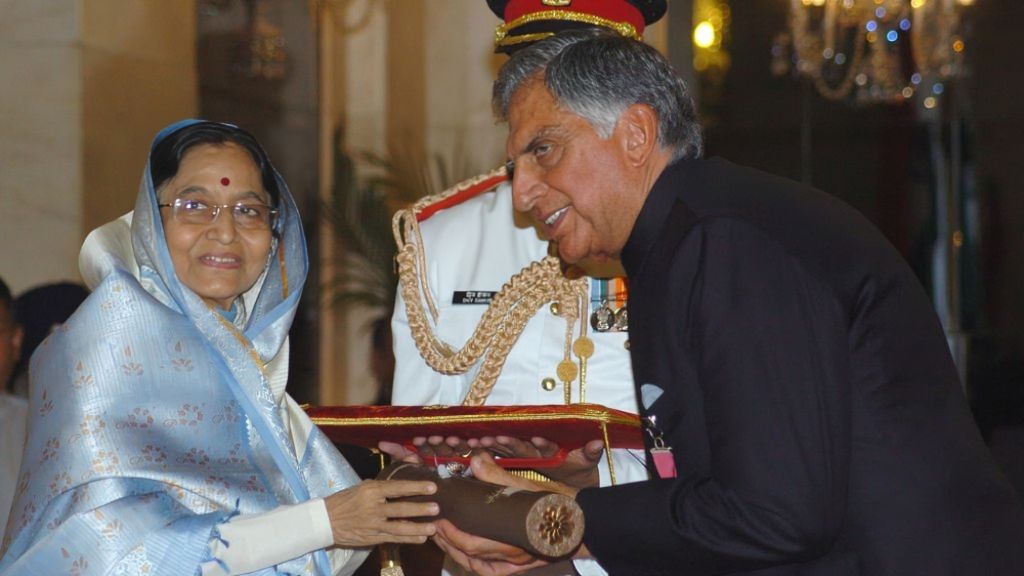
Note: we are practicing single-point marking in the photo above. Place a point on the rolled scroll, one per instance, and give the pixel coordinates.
(544, 524)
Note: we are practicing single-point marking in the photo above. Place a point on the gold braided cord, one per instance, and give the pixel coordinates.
(608, 453)
(404, 224)
(624, 28)
(567, 376)
(534, 286)
(580, 347)
(523, 38)
(529, 474)
(506, 316)
(499, 328)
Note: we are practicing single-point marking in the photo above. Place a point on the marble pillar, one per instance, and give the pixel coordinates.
(86, 85)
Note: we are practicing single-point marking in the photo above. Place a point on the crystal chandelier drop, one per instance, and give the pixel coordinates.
(873, 50)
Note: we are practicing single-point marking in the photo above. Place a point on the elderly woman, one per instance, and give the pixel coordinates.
(161, 439)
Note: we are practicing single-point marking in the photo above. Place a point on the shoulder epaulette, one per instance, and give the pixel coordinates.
(469, 188)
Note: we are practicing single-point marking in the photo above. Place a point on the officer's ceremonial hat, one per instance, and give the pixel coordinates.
(527, 21)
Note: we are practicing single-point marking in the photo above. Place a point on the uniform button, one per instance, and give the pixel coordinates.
(626, 344)
(548, 384)
(554, 308)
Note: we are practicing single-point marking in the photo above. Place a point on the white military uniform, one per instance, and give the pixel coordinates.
(475, 246)
(471, 249)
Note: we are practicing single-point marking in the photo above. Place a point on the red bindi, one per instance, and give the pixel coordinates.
(225, 181)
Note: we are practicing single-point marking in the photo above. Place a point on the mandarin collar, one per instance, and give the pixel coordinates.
(652, 217)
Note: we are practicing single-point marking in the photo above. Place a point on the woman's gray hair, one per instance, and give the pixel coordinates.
(597, 75)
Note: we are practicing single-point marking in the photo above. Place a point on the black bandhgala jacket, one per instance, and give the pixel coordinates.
(815, 415)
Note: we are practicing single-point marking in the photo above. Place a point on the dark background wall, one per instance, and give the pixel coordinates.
(880, 160)
(283, 113)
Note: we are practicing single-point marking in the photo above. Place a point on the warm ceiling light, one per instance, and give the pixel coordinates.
(704, 35)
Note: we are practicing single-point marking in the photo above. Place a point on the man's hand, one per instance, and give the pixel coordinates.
(483, 556)
(442, 447)
(579, 469)
(398, 452)
(480, 555)
(485, 468)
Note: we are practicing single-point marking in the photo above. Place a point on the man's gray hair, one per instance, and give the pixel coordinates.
(597, 75)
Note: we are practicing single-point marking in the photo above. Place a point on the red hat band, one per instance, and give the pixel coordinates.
(620, 16)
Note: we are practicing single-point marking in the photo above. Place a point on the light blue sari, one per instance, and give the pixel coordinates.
(152, 420)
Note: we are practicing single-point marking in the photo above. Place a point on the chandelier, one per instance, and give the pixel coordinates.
(873, 51)
(260, 53)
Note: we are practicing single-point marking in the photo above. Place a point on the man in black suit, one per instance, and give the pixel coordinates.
(804, 414)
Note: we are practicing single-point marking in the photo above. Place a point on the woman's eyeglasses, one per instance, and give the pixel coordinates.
(246, 216)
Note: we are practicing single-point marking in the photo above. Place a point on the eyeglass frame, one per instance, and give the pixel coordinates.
(216, 208)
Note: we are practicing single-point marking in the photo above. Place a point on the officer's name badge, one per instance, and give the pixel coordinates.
(473, 297)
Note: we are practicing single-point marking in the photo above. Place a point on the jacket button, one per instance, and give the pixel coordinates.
(554, 308)
(626, 344)
(548, 384)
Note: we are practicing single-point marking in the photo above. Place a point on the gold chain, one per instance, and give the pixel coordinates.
(500, 326)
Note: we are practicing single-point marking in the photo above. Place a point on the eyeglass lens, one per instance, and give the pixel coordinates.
(245, 215)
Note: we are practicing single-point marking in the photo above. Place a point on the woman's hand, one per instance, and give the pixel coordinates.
(362, 516)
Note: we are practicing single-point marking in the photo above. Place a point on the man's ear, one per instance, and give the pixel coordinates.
(639, 126)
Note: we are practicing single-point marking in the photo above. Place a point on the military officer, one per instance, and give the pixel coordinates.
(484, 314)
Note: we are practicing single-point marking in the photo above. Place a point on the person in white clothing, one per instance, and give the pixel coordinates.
(161, 440)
